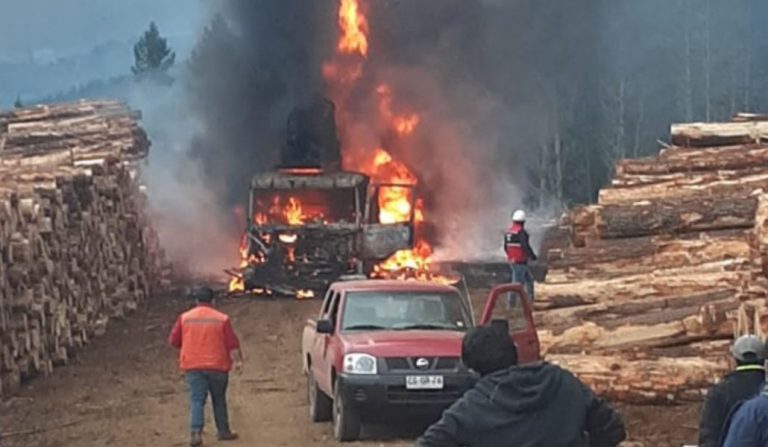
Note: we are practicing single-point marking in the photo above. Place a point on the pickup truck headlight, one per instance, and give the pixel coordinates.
(360, 364)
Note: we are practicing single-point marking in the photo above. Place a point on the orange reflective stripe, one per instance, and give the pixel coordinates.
(202, 321)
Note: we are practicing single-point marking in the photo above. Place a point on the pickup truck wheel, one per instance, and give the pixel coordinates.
(346, 421)
(320, 405)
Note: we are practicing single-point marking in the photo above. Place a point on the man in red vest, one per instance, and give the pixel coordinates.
(518, 249)
(209, 348)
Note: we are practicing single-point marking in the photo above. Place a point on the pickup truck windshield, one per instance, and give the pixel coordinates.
(404, 311)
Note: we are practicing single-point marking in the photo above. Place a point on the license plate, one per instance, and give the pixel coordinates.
(424, 382)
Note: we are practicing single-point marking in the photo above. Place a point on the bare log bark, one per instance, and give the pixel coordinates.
(644, 381)
(612, 314)
(732, 183)
(669, 326)
(719, 134)
(673, 216)
(686, 160)
(665, 263)
(610, 258)
(744, 117)
(729, 275)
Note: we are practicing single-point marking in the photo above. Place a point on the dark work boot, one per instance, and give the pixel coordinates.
(228, 436)
(195, 439)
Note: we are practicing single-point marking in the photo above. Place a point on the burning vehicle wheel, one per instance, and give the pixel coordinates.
(320, 405)
(346, 421)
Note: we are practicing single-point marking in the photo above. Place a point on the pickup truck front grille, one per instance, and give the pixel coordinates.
(447, 363)
(413, 364)
(399, 394)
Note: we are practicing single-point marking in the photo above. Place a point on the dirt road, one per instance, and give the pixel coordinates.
(125, 390)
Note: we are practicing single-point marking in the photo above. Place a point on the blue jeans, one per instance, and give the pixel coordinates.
(521, 274)
(199, 384)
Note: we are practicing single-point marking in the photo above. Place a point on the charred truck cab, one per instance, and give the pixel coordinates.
(309, 222)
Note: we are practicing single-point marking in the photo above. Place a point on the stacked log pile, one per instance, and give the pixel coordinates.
(76, 243)
(674, 250)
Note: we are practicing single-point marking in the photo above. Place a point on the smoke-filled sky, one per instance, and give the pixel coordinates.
(67, 26)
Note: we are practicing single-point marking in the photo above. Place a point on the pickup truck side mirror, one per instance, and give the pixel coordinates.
(325, 327)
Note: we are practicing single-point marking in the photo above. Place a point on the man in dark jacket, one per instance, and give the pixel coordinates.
(748, 426)
(742, 384)
(538, 405)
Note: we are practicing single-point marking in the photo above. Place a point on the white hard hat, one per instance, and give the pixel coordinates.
(518, 216)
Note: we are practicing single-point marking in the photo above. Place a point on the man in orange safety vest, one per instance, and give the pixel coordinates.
(209, 349)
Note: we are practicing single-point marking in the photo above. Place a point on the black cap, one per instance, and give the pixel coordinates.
(748, 348)
(487, 349)
(202, 294)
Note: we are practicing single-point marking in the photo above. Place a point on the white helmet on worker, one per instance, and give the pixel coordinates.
(518, 216)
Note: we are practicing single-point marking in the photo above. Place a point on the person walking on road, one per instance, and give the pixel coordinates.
(744, 383)
(519, 252)
(538, 405)
(209, 349)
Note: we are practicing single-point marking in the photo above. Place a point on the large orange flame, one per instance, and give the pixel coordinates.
(395, 206)
(293, 212)
(394, 200)
(396, 203)
(395, 180)
(404, 124)
(237, 284)
(288, 211)
(383, 168)
(354, 29)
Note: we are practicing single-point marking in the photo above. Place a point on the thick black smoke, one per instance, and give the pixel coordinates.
(468, 67)
(522, 101)
(256, 60)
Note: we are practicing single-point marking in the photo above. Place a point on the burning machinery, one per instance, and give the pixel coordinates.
(310, 223)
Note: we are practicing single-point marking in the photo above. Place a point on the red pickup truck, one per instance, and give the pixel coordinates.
(388, 348)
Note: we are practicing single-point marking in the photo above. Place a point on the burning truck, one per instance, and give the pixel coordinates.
(316, 217)
(310, 222)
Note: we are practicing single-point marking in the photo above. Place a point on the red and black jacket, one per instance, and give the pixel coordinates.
(517, 245)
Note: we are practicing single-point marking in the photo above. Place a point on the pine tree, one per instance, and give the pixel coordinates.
(18, 104)
(152, 54)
